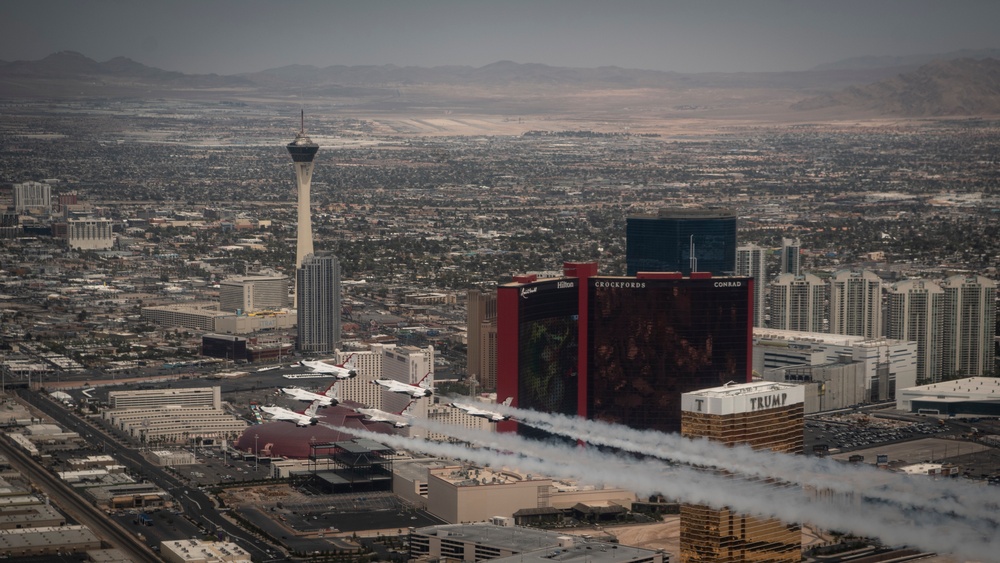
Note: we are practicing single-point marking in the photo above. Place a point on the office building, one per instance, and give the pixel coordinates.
(183, 397)
(972, 396)
(764, 416)
(887, 364)
(791, 255)
(751, 262)
(969, 326)
(253, 293)
(303, 151)
(797, 303)
(481, 339)
(475, 494)
(620, 349)
(318, 303)
(90, 234)
(856, 303)
(509, 544)
(32, 197)
(368, 364)
(916, 313)
(413, 366)
(682, 240)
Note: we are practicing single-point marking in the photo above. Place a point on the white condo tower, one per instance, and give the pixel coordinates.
(303, 150)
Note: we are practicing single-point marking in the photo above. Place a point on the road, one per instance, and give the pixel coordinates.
(195, 503)
(76, 506)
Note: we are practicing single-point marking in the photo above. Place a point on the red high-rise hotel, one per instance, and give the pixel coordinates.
(621, 349)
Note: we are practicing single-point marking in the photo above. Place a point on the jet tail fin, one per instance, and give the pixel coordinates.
(331, 391)
(506, 402)
(313, 408)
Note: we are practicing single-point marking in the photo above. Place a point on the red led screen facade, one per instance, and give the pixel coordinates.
(538, 361)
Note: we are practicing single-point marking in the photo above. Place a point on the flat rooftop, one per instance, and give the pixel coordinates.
(738, 389)
(587, 552)
(959, 390)
(512, 538)
(819, 337)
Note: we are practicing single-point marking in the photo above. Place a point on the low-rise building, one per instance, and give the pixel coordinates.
(888, 364)
(197, 551)
(491, 542)
(29, 542)
(975, 396)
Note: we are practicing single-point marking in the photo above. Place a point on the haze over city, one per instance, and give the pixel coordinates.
(231, 37)
(354, 281)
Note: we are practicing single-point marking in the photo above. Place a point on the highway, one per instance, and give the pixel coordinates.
(77, 507)
(195, 503)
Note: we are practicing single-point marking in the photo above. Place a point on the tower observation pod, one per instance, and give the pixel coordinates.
(303, 150)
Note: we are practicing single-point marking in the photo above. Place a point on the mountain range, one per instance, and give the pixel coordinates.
(882, 85)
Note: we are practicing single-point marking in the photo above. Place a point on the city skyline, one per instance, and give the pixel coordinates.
(229, 37)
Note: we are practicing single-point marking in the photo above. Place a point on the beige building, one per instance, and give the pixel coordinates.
(90, 234)
(206, 316)
(511, 544)
(460, 494)
(481, 341)
(253, 293)
(764, 416)
(153, 398)
(28, 542)
(197, 551)
(177, 424)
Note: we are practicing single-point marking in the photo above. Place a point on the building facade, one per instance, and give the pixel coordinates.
(411, 365)
(916, 313)
(764, 416)
(150, 398)
(856, 303)
(32, 197)
(481, 342)
(620, 349)
(887, 364)
(791, 256)
(751, 262)
(797, 303)
(681, 240)
(969, 325)
(90, 234)
(252, 293)
(318, 303)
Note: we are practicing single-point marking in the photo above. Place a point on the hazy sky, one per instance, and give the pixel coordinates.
(231, 36)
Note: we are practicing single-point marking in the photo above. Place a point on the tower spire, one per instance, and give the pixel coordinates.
(302, 129)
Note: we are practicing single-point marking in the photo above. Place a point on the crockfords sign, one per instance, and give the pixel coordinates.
(624, 284)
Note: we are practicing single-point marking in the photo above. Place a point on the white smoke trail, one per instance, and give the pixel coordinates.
(820, 473)
(926, 530)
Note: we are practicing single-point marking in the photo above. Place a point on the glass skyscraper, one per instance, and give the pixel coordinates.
(682, 240)
(318, 302)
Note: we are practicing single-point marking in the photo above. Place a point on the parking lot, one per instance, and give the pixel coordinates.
(855, 431)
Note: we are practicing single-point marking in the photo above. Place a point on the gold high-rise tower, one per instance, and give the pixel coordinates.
(764, 416)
